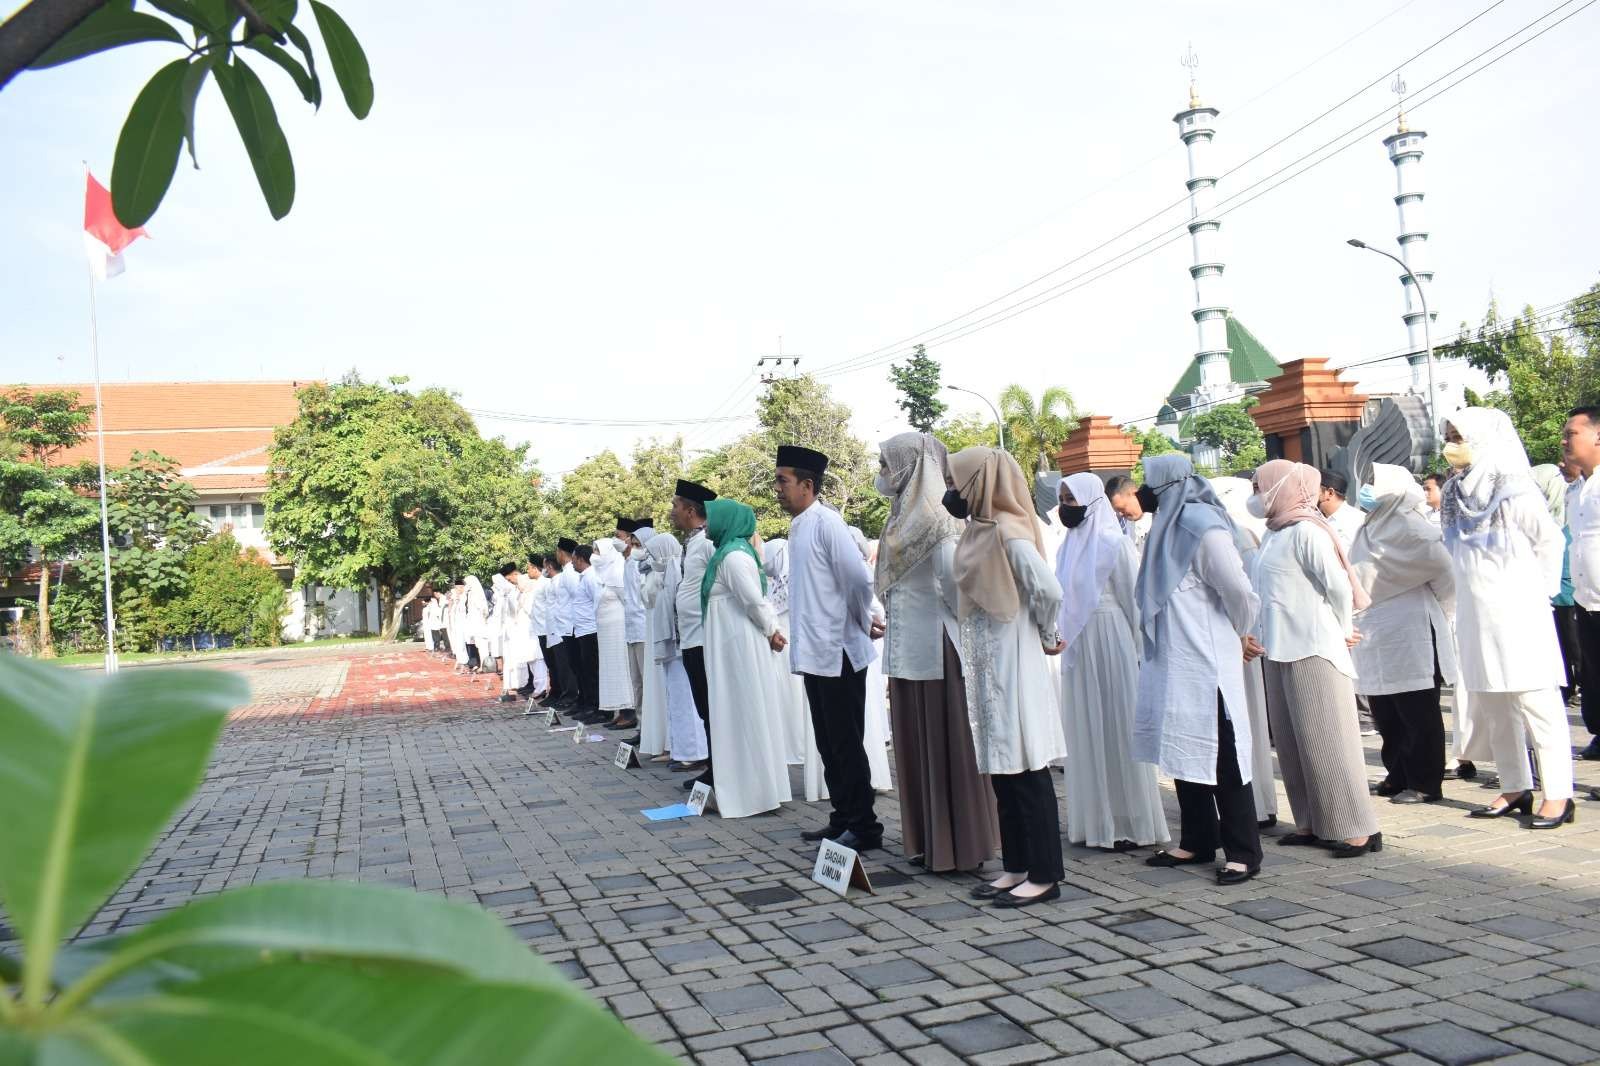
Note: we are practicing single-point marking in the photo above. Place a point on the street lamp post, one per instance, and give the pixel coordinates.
(1427, 331)
(999, 425)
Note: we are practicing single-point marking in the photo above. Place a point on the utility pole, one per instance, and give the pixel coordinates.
(771, 368)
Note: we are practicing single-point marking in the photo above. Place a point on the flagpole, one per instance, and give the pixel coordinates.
(100, 440)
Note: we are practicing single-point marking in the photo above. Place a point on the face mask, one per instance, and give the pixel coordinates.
(1072, 516)
(1147, 499)
(881, 483)
(955, 504)
(1458, 454)
(1256, 507)
(1367, 499)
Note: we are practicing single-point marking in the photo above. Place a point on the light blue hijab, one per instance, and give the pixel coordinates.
(1187, 508)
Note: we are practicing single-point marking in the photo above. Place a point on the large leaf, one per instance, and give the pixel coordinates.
(349, 61)
(109, 27)
(177, 1031)
(263, 138)
(193, 79)
(432, 1019)
(91, 770)
(298, 38)
(147, 148)
(303, 79)
(326, 919)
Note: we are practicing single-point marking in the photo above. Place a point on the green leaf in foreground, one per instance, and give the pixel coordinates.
(303, 79)
(263, 138)
(91, 770)
(148, 146)
(349, 61)
(109, 27)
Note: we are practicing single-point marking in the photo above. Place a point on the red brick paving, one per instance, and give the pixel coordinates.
(404, 681)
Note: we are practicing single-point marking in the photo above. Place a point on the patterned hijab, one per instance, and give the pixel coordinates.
(775, 557)
(1088, 552)
(1289, 492)
(918, 465)
(730, 525)
(1469, 510)
(1186, 509)
(1001, 510)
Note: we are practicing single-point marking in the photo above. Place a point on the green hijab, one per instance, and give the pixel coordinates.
(730, 525)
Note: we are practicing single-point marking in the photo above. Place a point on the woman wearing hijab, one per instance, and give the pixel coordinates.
(1112, 801)
(616, 682)
(1196, 608)
(947, 808)
(475, 624)
(1309, 597)
(741, 634)
(1553, 484)
(1407, 648)
(1507, 552)
(1007, 601)
(669, 721)
(1235, 493)
(791, 687)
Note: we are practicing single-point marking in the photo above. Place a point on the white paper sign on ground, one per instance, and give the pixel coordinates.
(626, 759)
(838, 868)
(699, 796)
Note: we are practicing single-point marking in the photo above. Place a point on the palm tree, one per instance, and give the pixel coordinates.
(1037, 428)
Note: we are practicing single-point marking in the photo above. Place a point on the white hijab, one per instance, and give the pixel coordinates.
(608, 564)
(477, 604)
(1392, 550)
(1470, 510)
(1085, 558)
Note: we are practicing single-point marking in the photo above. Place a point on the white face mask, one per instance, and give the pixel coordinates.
(1256, 507)
(618, 543)
(882, 484)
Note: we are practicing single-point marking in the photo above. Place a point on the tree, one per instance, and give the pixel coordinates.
(968, 431)
(1036, 428)
(230, 593)
(1538, 378)
(371, 482)
(1229, 428)
(797, 411)
(45, 510)
(1151, 442)
(47, 33)
(918, 382)
(591, 496)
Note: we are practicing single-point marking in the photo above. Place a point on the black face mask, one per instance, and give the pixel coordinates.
(955, 504)
(1072, 516)
(1147, 499)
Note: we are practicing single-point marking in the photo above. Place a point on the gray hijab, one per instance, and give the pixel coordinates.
(1187, 508)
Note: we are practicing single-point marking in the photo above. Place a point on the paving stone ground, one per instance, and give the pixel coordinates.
(1462, 942)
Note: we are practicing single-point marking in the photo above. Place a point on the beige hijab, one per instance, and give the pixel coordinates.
(1001, 510)
(918, 522)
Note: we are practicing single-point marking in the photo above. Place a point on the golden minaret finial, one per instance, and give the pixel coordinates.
(1192, 62)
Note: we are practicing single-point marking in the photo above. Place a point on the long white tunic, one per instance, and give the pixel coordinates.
(1346, 522)
(524, 659)
(1012, 696)
(1110, 797)
(632, 603)
(918, 618)
(616, 682)
(1262, 781)
(668, 720)
(1400, 632)
(1305, 597)
(697, 552)
(1505, 632)
(1197, 654)
(830, 596)
(742, 690)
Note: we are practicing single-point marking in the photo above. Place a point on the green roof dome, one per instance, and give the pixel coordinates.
(1248, 362)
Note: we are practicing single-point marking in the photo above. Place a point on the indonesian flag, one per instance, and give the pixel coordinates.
(104, 237)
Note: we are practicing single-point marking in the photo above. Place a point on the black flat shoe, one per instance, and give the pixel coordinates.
(1226, 876)
(1009, 900)
(1569, 813)
(1167, 859)
(1299, 840)
(1269, 822)
(1523, 804)
(633, 741)
(1384, 788)
(1411, 795)
(1340, 850)
(1466, 771)
(811, 836)
(854, 842)
(986, 891)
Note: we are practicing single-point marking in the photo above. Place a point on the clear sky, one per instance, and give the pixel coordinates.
(611, 209)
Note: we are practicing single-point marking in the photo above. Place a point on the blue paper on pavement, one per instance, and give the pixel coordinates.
(663, 814)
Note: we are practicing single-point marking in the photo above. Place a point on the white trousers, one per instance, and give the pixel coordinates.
(1538, 715)
(636, 673)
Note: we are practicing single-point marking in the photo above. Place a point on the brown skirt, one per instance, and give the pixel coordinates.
(947, 811)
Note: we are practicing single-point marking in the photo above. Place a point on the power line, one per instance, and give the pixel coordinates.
(873, 357)
(1156, 241)
(556, 420)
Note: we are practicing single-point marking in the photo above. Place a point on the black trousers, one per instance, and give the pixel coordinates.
(472, 655)
(1223, 813)
(694, 664)
(1571, 656)
(588, 668)
(838, 718)
(564, 655)
(1412, 728)
(1030, 825)
(1589, 665)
